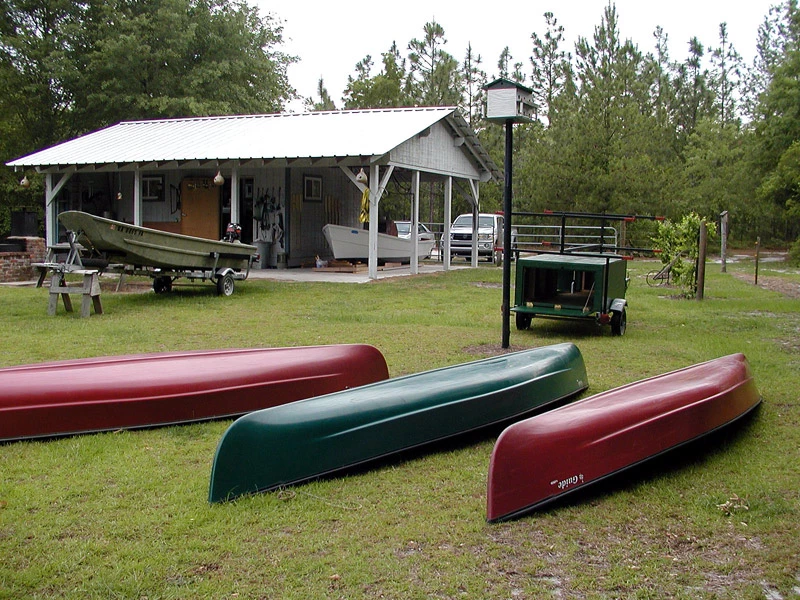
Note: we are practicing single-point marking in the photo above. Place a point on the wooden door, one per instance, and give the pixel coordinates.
(200, 208)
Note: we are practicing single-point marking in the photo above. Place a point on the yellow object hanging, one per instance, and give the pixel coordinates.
(364, 214)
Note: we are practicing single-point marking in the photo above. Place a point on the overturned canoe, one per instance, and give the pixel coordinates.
(289, 444)
(541, 459)
(115, 392)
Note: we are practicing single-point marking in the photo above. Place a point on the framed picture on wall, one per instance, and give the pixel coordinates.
(312, 188)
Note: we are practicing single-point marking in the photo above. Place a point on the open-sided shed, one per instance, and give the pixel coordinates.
(281, 176)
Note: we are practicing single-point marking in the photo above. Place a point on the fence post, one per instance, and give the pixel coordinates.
(758, 251)
(723, 231)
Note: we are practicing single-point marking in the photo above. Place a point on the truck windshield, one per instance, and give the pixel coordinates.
(466, 221)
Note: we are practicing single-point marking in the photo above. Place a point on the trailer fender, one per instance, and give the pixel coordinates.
(618, 305)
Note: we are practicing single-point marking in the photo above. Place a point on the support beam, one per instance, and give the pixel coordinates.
(137, 198)
(372, 260)
(415, 223)
(448, 219)
(376, 189)
(475, 218)
(51, 190)
(235, 209)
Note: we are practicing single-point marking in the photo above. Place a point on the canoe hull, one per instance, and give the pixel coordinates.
(541, 459)
(351, 243)
(145, 247)
(289, 444)
(109, 393)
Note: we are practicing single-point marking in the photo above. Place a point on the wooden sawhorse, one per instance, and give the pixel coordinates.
(90, 291)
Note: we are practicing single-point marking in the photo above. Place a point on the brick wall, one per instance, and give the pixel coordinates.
(16, 266)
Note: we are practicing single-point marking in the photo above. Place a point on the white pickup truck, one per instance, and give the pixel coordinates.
(490, 237)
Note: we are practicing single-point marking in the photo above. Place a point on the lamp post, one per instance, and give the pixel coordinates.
(508, 102)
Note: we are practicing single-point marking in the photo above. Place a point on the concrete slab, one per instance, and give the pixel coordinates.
(361, 277)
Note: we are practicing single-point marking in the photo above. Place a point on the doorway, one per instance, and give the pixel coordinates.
(200, 208)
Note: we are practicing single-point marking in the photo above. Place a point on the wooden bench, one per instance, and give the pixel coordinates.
(90, 290)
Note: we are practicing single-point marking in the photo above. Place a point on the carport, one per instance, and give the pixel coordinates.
(283, 176)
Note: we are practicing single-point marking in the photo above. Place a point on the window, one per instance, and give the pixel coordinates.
(312, 189)
(153, 188)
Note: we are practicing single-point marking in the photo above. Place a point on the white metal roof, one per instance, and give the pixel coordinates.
(353, 133)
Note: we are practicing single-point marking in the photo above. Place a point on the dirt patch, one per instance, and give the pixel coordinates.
(127, 287)
(774, 284)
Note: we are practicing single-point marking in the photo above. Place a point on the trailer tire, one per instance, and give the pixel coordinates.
(162, 284)
(619, 322)
(225, 285)
(523, 321)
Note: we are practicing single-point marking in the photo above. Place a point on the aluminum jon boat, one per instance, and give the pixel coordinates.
(115, 392)
(541, 459)
(145, 247)
(288, 444)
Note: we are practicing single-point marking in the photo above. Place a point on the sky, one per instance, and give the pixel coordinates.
(331, 37)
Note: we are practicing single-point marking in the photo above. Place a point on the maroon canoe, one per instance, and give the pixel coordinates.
(540, 459)
(117, 392)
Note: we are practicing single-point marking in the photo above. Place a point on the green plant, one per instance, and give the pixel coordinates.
(682, 239)
(794, 253)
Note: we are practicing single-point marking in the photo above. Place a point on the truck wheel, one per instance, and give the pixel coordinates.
(619, 322)
(523, 321)
(225, 285)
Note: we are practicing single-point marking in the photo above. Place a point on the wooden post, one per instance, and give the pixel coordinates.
(701, 261)
(723, 231)
(758, 250)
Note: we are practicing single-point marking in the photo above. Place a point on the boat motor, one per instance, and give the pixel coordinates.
(233, 233)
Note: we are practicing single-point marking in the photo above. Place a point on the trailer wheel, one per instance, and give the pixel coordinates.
(523, 321)
(162, 284)
(225, 285)
(619, 322)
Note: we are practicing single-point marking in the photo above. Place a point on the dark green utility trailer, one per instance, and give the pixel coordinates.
(569, 286)
(586, 277)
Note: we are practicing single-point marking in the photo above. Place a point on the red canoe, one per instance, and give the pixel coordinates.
(117, 392)
(541, 459)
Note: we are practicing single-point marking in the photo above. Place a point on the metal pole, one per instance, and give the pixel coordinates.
(507, 233)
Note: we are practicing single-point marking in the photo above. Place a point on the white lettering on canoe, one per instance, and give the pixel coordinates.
(568, 482)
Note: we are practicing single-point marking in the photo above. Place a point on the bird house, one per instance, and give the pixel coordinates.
(509, 101)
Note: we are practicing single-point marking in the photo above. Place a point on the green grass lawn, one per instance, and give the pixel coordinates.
(124, 515)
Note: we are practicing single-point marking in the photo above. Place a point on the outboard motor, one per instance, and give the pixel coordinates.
(233, 233)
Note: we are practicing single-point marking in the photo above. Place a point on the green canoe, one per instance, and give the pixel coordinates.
(288, 444)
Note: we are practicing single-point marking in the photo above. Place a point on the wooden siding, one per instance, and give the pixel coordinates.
(435, 153)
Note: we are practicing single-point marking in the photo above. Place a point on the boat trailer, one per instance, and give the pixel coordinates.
(76, 261)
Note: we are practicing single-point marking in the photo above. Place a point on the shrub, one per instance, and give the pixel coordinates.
(682, 239)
